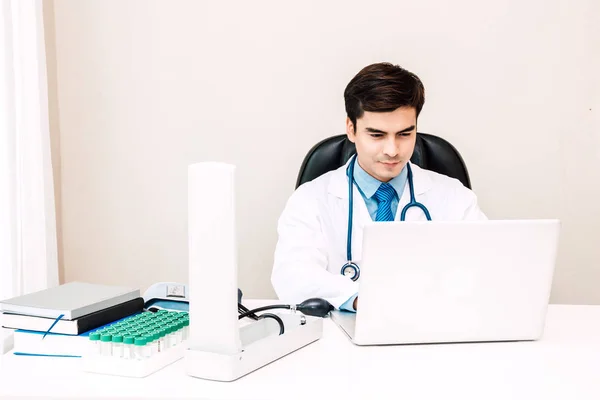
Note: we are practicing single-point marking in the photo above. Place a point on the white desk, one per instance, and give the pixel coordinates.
(564, 365)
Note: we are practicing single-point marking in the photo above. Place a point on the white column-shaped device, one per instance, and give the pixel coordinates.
(218, 349)
(212, 258)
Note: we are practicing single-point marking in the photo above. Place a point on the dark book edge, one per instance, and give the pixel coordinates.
(108, 315)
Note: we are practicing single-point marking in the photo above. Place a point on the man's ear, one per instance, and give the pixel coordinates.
(350, 132)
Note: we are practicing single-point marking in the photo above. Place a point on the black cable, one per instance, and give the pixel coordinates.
(250, 314)
(242, 309)
(314, 307)
(276, 318)
(265, 308)
(255, 318)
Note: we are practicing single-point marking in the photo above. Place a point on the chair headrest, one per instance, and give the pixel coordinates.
(431, 152)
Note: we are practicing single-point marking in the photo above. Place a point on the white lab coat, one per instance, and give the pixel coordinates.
(313, 230)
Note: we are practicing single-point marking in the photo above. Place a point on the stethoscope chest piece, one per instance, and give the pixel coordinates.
(351, 270)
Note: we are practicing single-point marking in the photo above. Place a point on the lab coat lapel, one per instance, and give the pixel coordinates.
(338, 184)
(338, 189)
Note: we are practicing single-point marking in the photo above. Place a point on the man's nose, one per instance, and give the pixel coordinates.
(390, 148)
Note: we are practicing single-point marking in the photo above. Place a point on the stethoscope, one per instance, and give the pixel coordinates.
(351, 269)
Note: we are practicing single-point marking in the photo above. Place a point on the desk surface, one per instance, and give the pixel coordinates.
(565, 364)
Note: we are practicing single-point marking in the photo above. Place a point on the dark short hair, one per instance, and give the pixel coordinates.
(383, 87)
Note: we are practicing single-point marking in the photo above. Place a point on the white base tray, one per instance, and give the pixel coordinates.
(133, 368)
(261, 345)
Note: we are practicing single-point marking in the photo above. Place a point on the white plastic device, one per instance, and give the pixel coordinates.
(261, 345)
(219, 349)
(172, 291)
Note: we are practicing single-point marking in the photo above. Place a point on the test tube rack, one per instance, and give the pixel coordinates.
(139, 345)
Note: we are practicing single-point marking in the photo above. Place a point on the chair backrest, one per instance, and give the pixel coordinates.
(431, 152)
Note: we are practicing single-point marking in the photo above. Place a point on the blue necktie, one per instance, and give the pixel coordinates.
(384, 196)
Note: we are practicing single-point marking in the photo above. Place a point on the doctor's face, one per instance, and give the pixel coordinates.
(384, 141)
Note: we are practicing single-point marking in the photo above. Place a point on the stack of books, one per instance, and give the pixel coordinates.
(57, 321)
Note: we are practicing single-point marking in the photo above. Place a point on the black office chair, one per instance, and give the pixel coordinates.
(431, 152)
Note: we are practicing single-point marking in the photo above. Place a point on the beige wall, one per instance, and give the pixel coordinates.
(146, 88)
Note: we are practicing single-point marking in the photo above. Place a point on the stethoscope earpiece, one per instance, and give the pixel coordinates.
(351, 269)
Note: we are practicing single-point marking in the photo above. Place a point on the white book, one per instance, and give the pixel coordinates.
(53, 344)
(72, 300)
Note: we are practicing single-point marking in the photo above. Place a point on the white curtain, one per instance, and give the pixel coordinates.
(28, 250)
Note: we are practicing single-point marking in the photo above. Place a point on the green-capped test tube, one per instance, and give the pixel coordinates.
(141, 348)
(154, 343)
(149, 342)
(94, 345)
(117, 345)
(170, 337)
(128, 346)
(162, 341)
(186, 328)
(179, 331)
(106, 344)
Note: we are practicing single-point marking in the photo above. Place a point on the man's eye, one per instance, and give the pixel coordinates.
(376, 135)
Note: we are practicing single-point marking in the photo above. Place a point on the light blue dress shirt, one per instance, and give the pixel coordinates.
(367, 186)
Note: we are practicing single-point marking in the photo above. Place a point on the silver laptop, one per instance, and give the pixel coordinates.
(449, 282)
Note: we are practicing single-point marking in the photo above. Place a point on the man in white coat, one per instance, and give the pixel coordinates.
(383, 102)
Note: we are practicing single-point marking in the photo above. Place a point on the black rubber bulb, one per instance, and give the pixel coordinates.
(315, 307)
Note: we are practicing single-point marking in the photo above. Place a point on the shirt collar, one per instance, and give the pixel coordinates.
(369, 185)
